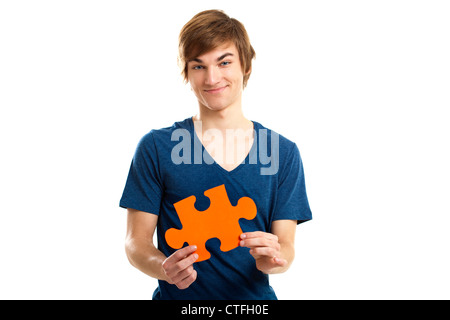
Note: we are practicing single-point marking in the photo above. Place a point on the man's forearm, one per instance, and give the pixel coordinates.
(144, 256)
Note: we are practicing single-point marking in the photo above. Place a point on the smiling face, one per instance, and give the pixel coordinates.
(216, 78)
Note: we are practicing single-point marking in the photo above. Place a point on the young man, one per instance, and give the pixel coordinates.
(209, 183)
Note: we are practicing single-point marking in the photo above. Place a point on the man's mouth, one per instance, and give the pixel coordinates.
(216, 90)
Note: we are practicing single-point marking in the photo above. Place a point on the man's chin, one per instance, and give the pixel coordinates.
(216, 107)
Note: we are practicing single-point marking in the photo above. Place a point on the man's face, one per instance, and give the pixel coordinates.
(216, 77)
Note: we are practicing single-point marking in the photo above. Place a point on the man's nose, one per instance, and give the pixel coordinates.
(213, 76)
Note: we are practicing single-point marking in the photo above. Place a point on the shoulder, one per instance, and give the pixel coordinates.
(284, 153)
(161, 137)
(284, 145)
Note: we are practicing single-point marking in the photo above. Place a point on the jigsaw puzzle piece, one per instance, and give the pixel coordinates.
(176, 238)
(191, 223)
(231, 230)
(220, 220)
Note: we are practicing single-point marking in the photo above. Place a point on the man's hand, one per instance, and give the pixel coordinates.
(266, 250)
(179, 267)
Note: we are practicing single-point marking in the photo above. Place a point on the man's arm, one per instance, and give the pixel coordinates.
(143, 255)
(273, 252)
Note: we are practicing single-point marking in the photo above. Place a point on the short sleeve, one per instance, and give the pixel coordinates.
(292, 201)
(143, 188)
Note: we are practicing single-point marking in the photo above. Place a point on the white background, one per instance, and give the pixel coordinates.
(361, 86)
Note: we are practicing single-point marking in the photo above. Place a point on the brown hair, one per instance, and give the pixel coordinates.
(208, 30)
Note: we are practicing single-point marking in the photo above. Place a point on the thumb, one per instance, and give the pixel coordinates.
(279, 261)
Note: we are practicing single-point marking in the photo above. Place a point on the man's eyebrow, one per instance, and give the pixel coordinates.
(218, 59)
(224, 56)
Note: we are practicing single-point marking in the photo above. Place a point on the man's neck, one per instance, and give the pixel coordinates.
(232, 144)
(231, 117)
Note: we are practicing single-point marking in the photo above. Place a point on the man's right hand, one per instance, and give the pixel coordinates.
(179, 267)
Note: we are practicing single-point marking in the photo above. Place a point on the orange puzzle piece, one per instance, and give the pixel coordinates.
(220, 220)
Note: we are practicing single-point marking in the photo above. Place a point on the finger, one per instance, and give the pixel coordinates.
(187, 262)
(173, 269)
(260, 242)
(182, 253)
(186, 282)
(258, 234)
(279, 261)
(263, 252)
(182, 274)
(171, 262)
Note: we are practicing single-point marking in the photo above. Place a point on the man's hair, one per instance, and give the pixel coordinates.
(207, 31)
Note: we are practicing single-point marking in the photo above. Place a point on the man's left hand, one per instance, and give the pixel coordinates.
(266, 250)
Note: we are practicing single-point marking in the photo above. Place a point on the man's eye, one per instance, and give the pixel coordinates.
(197, 67)
(225, 63)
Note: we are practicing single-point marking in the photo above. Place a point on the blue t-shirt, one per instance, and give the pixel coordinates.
(171, 164)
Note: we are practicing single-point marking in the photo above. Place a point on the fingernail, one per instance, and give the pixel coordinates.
(195, 256)
(243, 236)
(241, 243)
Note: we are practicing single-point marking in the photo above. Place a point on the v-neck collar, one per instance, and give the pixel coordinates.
(196, 141)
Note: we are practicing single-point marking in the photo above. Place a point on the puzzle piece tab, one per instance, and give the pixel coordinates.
(220, 220)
